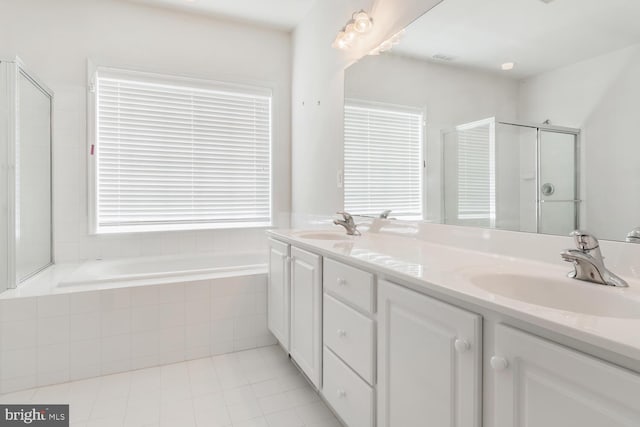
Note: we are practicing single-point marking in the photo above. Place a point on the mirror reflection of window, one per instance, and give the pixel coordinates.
(383, 159)
(476, 173)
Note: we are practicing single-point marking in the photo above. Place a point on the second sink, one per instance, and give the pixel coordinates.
(561, 294)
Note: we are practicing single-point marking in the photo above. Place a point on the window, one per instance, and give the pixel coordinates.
(383, 159)
(173, 153)
(476, 172)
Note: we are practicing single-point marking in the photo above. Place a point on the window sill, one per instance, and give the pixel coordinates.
(135, 229)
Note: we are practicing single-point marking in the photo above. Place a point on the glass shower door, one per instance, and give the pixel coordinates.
(33, 178)
(557, 186)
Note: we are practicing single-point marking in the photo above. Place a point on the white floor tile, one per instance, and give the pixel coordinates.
(252, 388)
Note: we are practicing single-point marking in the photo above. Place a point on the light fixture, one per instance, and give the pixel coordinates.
(388, 43)
(360, 23)
(507, 66)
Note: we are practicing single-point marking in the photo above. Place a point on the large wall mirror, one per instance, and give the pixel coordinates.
(512, 114)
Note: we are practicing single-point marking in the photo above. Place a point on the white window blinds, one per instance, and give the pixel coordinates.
(175, 155)
(476, 172)
(382, 159)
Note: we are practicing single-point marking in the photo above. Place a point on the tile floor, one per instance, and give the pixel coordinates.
(253, 388)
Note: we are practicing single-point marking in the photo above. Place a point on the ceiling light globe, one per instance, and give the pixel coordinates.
(350, 32)
(362, 22)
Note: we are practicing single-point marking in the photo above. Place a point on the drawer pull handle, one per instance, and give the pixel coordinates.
(462, 346)
(341, 281)
(341, 393)
(499, 363)
(342, 333)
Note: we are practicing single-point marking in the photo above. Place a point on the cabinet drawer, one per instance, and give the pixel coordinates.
(348, 394)
(349, 334)
(349, 283)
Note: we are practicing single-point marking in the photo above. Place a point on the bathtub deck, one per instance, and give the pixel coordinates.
(253, 388)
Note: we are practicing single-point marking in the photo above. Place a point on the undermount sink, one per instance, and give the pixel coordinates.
(323, 235)
(567, 294)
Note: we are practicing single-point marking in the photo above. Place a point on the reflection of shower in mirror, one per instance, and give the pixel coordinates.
(513, 176)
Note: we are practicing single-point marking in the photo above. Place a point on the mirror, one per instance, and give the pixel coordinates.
(510, 114)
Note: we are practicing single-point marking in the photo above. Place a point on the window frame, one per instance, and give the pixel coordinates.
(363, 103)
(93, 70)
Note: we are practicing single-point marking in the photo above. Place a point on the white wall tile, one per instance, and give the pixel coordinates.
(198, 291)
(172, 315)
(198, 311)
(18, 363)
(84, 302)
(113, 299)
(19, 335)
(116, 322)
(119, 329)
(85, 326)
(172, 345)
(116, 348)
(85, 353)
(197, 340)
(222, 330)
(53, 359)
(145, 318)
(17, 309)
(145, 344)
(53, 305)
(53, 330)
(171, 293)
(145, 295)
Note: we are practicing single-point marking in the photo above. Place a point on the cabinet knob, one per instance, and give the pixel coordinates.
(499, 363)
(341, 332)
(341, 281)
(341, 393)
(462, 346)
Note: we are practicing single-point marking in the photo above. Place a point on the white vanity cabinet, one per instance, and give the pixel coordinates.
(349, 343)
(306, 313)
(429, 361)
(542, 384)
(384, 355)
(279, 291)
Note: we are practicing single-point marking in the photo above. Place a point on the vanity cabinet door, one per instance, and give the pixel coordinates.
(429, 361)
(306, 313)
(542, 384)
(279, 291)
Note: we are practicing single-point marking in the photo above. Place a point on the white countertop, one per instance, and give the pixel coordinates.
(425, 266)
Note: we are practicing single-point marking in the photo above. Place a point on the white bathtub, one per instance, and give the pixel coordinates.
(163, 269)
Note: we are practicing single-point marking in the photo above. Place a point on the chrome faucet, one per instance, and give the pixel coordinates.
(348, 223)
(633, 236)
(588, 262)
(385, 214)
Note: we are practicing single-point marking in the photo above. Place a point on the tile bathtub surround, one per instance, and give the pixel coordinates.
(56, 338)
(253, 388)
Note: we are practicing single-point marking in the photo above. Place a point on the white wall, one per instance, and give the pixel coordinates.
(599, 96)
(55, 39)
(317, 94)
(448, 95)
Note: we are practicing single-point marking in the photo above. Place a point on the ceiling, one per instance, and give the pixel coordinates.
(282, 14)
(537, 35)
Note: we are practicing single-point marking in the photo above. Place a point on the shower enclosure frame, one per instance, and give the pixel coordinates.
(542, 127)
(11, 70)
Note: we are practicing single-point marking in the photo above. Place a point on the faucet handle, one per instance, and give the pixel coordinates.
(585, 241)
(346, 215)
(385, 214)
(633, 236)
